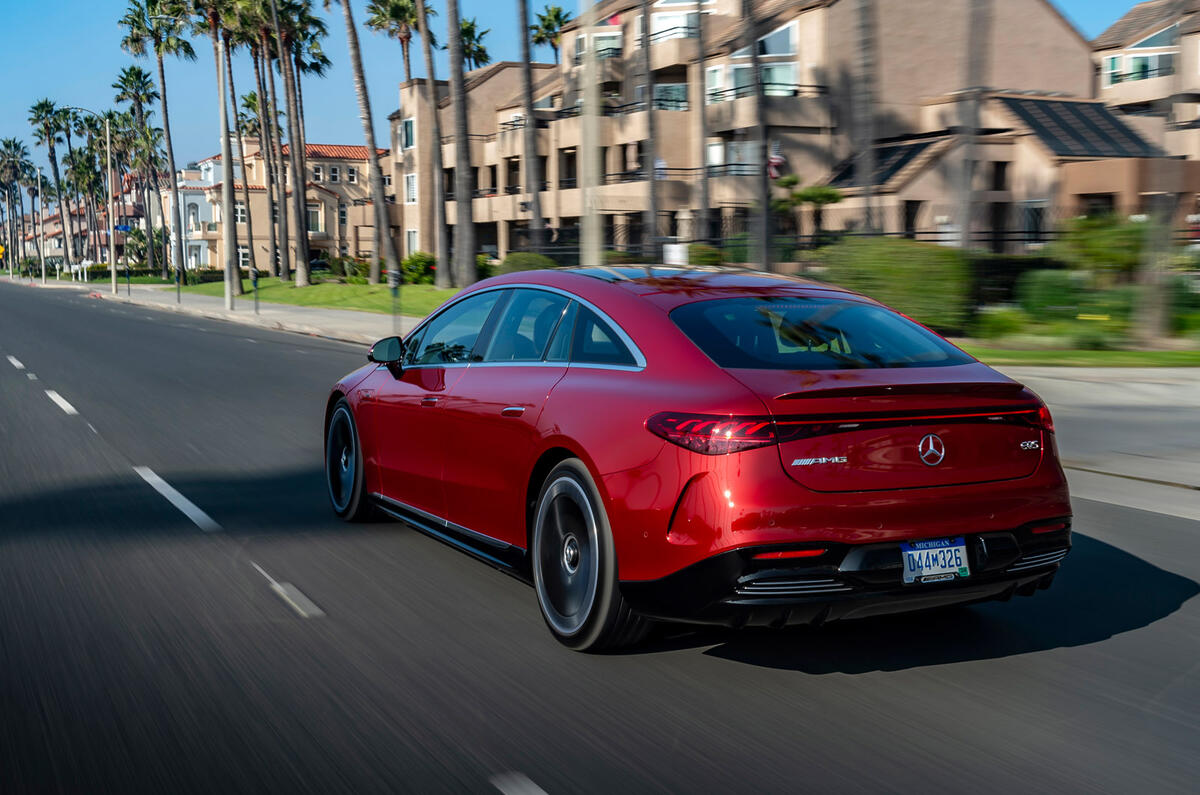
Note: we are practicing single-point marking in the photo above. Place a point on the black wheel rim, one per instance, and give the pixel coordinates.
(566, 559)
(341, 459)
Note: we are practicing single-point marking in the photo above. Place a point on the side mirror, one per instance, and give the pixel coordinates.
(388, 351)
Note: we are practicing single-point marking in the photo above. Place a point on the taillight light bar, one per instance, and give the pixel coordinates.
(790, 554)
(713, 434)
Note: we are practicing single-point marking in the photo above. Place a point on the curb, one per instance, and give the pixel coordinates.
(245, 320)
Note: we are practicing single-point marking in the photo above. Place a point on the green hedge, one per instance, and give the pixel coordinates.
(525, 261)
(1050, 294)
(925, 281)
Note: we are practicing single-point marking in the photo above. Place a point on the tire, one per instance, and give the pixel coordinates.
(574, 565)
(344, 465)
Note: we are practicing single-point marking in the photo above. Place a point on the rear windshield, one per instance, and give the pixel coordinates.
(773, 333)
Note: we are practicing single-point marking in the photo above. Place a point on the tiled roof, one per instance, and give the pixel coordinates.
(336, 151)
(1142, 18)
(890, 158)
(1078, 128)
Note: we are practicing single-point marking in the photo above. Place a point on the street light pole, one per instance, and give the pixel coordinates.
(112, 248)
(41, 227)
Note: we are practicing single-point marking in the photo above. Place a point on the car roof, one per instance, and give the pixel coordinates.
(670, 286)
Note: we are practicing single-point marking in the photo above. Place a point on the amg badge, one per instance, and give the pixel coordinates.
(807, 462)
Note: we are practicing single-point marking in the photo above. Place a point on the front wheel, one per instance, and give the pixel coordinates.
(575, 565)
(344, 465)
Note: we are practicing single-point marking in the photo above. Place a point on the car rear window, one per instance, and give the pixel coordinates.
(773, 333)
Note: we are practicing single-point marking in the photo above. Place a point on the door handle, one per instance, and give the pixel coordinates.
(429, 400)
(512, 411)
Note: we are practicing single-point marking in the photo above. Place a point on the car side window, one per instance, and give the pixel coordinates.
(560, 346)
(594, 342)
(450, 337)
(525, 327)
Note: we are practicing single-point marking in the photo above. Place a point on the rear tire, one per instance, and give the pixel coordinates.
(344, 465)
(574, 565)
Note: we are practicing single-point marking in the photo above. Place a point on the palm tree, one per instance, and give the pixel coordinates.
(308, 57)
(464, 226)
(384, 244)
(135, 86)
(157, 25)
(398, 19)
(235, 34)
(474, 53)
(69, 119)
(44, 117)
(262, 54)
(441, 276)
(210, 13)
(15, 169)
(533, 177)
(548, 30)
(283, 44)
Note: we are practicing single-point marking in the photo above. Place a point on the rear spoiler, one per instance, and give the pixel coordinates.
(978, 389)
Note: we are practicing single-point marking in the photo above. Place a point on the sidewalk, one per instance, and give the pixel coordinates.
(339, 324)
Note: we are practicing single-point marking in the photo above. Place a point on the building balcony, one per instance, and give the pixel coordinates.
(1139, 87)
(786, 105)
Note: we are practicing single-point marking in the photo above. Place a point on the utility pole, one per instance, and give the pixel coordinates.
(41, 229)
(979, 39)
(702, 222)
(762, 177)
(112, 246)
(590, 245)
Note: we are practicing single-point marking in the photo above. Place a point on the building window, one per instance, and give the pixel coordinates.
(667, 96)
(352, 174)
(318, 173)
(239, 212)
(680, 25)
(387, 180)
(314, 217)
(1112, 70)
(410, 242)
(781, 41)
(779, 79)
(408, 133)
(274, 213)
(999, 175)
(410, 188)
(1164, 38)
(243, 257)
(1145, 67)
(341, 214)
(193, 215)
(1034, 222)
(714, 84)
(335, 174)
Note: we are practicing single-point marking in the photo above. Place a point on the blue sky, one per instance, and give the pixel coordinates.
(69, 50)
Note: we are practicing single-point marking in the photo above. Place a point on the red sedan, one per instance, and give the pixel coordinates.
(707, 446)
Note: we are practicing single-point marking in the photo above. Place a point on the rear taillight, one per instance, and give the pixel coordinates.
(1044, 420)
(713, 434)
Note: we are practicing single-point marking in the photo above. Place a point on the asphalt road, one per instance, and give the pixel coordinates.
(140, 652)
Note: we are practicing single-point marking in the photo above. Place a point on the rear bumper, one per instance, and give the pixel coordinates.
(848, 581)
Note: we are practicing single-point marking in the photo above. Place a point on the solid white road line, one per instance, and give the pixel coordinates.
(515, 783)
(61, 402)
(186, 506)
(15, 362)
(292, 595)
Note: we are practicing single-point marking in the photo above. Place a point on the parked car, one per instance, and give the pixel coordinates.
(708, 446)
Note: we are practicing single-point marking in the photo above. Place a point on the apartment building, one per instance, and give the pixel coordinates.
(1039, 68)
(341, 221)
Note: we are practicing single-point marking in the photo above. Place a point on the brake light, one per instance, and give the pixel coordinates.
(713, 434)
(1044, 420)
(791, 553)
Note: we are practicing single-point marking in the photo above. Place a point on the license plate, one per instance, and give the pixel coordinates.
(934, 560)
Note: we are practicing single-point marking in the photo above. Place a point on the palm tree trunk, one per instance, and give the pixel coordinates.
(63, 207)
(441, 274)
(464, 226)
(384, 244)
(702, 223)
(533, 176)
(295, 152)
(177, 214)
(864, 114)
(21, 230)
(265, 145)
(245, 174)
(281, 201)
(650, 217)
(760, 140)
(228, 233)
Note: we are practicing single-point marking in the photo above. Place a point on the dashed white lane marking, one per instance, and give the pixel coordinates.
(15, 362)
(515, 783)
(61, 402)
(247, 339)
(185, 506)
(31, 376)
(292, 595)
(93, 427)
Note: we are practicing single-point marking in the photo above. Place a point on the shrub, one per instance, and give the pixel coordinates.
(743, 247)
(418, 268)
(1047, 294)
(484, 269)
(356, 280)
(1184, 305)
(1110, 244)
(525, 261)
(994, 322)
(922, 280)
(700, 254)
(1092, 339)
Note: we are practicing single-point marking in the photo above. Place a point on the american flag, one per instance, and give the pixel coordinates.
(775, 161)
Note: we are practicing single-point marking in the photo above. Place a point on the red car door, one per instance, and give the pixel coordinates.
(410, 428)
(491, 417)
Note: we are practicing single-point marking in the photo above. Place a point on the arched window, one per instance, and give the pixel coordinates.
(193, 216)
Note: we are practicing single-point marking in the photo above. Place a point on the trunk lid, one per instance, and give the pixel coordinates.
(900, 428)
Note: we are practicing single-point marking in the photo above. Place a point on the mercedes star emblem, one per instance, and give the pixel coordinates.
(931, 449)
